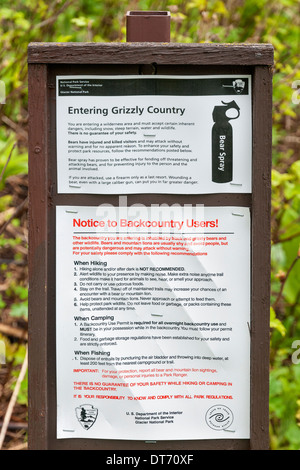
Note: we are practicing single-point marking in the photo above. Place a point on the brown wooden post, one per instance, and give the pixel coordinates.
(261, 222)
(46, 62)
(150, 26)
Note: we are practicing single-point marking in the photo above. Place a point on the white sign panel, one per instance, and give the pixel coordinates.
(153, 318)
(150, 134)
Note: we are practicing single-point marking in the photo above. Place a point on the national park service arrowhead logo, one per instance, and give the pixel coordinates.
(86, 415)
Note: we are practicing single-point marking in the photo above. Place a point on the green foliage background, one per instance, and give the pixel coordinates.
(259, 21)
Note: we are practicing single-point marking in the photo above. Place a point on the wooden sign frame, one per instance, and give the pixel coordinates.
(46, 61)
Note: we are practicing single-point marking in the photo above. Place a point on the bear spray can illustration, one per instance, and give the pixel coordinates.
(222, 148)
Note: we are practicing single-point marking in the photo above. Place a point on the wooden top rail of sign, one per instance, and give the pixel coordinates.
(46, 61)
(144, 53)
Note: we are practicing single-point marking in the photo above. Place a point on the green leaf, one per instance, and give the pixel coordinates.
(20, 310)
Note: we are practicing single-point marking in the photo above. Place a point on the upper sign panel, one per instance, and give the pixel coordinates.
(154, 134)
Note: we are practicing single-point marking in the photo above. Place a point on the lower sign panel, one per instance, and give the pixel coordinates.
(153, 318)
